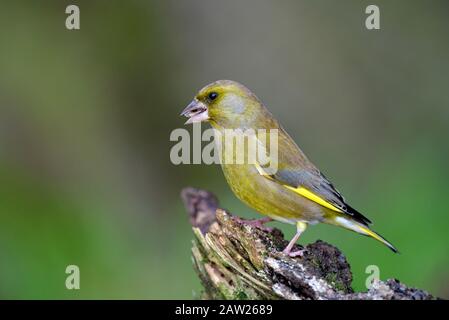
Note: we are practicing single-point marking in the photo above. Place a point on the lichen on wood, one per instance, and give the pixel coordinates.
(235, 260)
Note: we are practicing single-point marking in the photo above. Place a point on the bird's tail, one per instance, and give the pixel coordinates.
(362, 229)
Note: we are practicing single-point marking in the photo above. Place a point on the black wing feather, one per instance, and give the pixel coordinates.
(316, 182)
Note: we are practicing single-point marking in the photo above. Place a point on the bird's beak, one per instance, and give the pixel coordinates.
(196, 111)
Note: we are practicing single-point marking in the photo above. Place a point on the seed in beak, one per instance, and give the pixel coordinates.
(196, 111)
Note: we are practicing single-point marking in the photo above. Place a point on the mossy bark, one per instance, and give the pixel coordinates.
(235, 260)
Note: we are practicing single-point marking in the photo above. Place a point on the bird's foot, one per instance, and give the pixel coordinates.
(297, 253)
(257, 223)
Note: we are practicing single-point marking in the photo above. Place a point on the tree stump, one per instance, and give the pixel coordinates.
(235, 260)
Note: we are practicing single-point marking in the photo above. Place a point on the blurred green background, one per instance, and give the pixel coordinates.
(85, 119)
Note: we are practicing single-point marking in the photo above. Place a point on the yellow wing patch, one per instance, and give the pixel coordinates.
(372, 234)
(311, 196)
(302, 192)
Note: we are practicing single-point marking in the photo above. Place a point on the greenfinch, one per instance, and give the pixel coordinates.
(297, 192)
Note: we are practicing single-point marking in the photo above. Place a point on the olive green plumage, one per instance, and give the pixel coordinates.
(297, 192)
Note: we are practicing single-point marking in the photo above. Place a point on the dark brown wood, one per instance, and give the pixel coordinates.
(235, 260)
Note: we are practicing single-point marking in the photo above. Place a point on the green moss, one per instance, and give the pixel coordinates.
(240, 295)
(315, 262)
(332, 279)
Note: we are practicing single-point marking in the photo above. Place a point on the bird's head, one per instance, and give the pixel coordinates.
(225, 104)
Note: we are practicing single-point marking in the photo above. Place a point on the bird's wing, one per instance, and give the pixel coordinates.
(297, 173)
(313, 185)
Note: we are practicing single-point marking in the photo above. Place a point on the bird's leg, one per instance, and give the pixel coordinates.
(300, 227)
(258, 223)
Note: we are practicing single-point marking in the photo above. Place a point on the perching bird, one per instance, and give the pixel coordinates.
(297, 192)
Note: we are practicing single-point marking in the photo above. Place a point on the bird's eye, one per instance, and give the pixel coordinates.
(212, 96)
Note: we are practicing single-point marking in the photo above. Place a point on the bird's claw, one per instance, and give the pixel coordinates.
(293, 254)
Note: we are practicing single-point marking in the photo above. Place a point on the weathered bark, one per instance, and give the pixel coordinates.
(235, 260)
